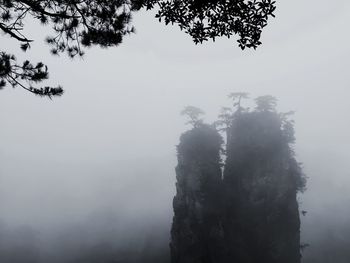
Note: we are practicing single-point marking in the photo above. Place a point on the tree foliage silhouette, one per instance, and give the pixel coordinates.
(209, 19)
(78, 24)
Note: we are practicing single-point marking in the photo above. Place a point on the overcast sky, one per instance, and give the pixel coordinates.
(119, 117)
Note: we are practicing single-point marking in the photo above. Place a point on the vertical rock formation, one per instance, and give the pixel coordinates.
(261, 181)
(196, 234)
(250, 215)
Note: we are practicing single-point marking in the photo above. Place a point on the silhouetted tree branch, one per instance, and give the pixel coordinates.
(15, 74)
(209, 19)
(81, 23)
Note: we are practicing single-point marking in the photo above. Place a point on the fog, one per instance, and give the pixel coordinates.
(92, 173)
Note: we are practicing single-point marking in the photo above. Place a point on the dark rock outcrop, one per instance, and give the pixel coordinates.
(196, 234)
(250, 214)
(261, 180)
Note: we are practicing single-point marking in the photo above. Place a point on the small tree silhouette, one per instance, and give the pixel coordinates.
(193, 114)
(266, 103)
(237, 97)
(224, 118)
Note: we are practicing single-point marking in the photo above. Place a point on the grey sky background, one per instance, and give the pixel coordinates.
(108, 145)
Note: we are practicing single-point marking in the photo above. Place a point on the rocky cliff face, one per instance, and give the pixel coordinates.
(261, 181)
(248, 215)
(196, 234)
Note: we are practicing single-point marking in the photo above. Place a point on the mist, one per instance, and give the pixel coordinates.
(89, 177)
